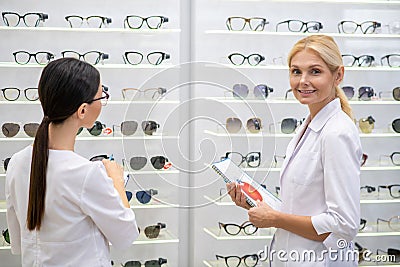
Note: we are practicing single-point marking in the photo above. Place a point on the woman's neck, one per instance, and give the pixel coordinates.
(62, 136)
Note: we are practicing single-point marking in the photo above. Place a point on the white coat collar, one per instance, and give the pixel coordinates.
(324, 115)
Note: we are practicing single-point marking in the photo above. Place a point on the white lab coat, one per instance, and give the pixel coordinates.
(83, 213)
(320, 177)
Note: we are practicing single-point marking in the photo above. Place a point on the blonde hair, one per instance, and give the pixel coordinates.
(329, 52)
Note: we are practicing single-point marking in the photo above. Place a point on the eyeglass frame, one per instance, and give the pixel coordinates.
(375, 25)
(160, 261)
(100, 55)
(106, 97)
(259, 96)
(42, 17)
(49, 56)
(388, 221)
(19, 93)
(104, 20)
(237, 257)
(369, 60)
(246, 21)
(369, 188)
(157, 90)
(164, 56)
(262, 58)
(319, 27)
(387, 59)
(395, 92)
(391, 157)
(162, 18)
(241, 227)
(245, 159)
(389, 187)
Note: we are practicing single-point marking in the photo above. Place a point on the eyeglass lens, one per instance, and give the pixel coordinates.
(261, 91)
(396, 125)
(138, 163)
(144, 196)
(96, 129)
(153, 231)
(10, 129)
(348, 91)
(289, 125)
(6, 236)
(149, 263)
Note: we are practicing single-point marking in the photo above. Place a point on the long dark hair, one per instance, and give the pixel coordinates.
(64, 85)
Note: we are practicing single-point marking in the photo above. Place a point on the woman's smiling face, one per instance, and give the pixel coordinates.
(312, 81)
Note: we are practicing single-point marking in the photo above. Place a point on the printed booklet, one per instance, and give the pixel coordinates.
(253, 191)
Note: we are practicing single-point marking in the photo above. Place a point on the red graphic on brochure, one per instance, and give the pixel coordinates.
(251, 191)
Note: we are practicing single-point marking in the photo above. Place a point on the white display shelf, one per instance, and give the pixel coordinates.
(99, 138)
(164, 237)
(379, 201)
(261, 234)
(109, 102)
(95, 30)
(377, 234)
(299, 34)
(98, 66)
(378, 2)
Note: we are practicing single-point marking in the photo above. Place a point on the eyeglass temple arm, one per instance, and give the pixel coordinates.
(287, 92)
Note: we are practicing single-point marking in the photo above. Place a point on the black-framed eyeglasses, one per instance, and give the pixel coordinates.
(136, 22)
(149, 93)
(361, 61)
(395, 93)
(76, 21)
(363, 223)
(138, 163)
(393, 223)
(6, 235)
(366, 27)
(148, 263)
(250, 260)
(394, 190)
(31, 19)
(92, 57)
(252, 159)
(394, 253)
(368, 188)
(239, 59)
(396, 125)
(153, 231)
(394, 157)
(260, 91)
(96, 129)
(130, 127)
(234, 229)
(154, 58)
(104, 98)
(238, 23)
(294, 25)
(392, 60)
(41, 58)
(13, 93)
(11, 129)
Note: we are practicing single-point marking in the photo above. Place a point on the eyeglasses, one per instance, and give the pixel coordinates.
(5, 163)
(233, 125)
(396, 125)
(158, 162)
(96, 130)
(391, 252)
(92, 57)
(149, 263)
(6, 235)
(104, 98)
(261, 91)
(11, 129)
(145, 196)
(300, 26)
(289, 125)
(76, 21)
(363, 223)
(369, 188)
(287, 93)
(393, 223)
(252, 159)
(150, 93)
(238, 23)
(366, 125)
(366, 27)
(13, 19)
(361, 61)
(136, 22)
(234, 261)
(392, 60)
(239, 59)
(135, 58)
(41, 58)
(13, 93)
(153, 231)
(394, 190)
(395, 93)
(364, 92)
(234, 229)
(394, 157)
(130, 127)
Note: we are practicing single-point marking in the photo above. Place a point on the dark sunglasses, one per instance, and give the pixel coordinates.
(145, 196)
(76, 21)
(138, 163)
(5, 162)
(13, 93)
(130, 127)
(6, 236)
(394, 190)
(252, 159)
(13, 19)
(154, 58)
(234, 229)
(41, 58)
(289, 125)
(261, 91)
(11, 129)
(393, 223)
(364, 92)
(396, 125)
(92, 57)
(239, 59)
(233, 125)
(149, 263)
(234, 261)
(96, 130)
(136, 22)
(238, 23)
(153, 231)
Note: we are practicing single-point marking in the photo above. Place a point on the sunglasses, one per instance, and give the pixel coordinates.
(234, 261)
(6, 235)
(149, 263)
(130, 127)
(154, 58)
(364, 92)
(289, 125)
(260, 91)
(91, 21)
(239, 59)
(150, 93)
(5, 163)
(252, 159)
(233, 229)
(10, 129)
(394, 157)
(393, 223)
(238, 23)
(396, 125)
(92, 57)
(394, 190)
(395, 253)
(158, 162)
(366, 125)
(395, 93)
(233, 125)
(96, 130)
(153, 231)
(145, 196)
(13, 93)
